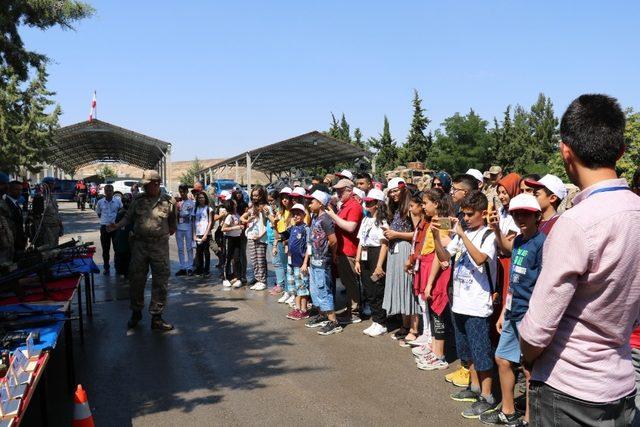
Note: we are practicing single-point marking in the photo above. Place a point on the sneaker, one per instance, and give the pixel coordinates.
(330, 328)
(369, 329)
(290, 300)
(294, 314)
(181, 272)
(189, 272)
(424, 359)
(237, 284)
(433, 364)
(259, 286)
(317, 321)
(377, 330)
(423, 350)
(500, 418)
(253, 287)
(349, 320)
(158, 324)
(465, 395)
(421, 340)
(459, 378)
(400, 334)
(275, 290)
(478, 408)
(285, 296)
(136, 316)
(226, 284)
(303, 314)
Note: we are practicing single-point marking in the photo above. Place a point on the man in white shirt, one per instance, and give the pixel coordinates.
(107, 209)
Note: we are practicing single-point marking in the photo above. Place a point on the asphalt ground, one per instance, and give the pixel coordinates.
(234, 359)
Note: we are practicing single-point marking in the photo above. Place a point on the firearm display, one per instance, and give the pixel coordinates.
(36, 263)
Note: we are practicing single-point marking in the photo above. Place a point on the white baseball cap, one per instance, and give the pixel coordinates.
(552, 183)
(298, 207)
(358, 192)
(286, 190)
(299, 191)
(476, 174)
(224, 195)
(395, 183)
(346, 174)
(374, 194)
(322, 197)
(524, 202)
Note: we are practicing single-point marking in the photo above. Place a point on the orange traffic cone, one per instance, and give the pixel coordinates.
(81, 413)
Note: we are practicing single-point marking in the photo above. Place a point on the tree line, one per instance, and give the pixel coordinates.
(522, 140)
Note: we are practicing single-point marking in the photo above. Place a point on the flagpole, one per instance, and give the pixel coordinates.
(96, 106)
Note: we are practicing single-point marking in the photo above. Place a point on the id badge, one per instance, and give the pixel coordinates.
(364, 255)
(396, 249)
(180, 220)
(507, 303)
(289, 260)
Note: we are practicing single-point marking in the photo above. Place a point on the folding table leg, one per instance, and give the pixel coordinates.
(80, 315)
(68, 338)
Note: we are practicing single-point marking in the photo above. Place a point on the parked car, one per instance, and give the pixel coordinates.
(229, 185)
(120, 187)
(63, 189)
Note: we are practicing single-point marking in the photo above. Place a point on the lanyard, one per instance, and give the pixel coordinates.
(607, 189)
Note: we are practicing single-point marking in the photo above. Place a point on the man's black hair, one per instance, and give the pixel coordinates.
(466, 179)
(363, 175)
(593, 127)
(15, 182)
(183, 187)
(475, 200)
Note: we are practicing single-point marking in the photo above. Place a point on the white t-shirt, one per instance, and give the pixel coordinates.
(507, 224)
(370, 234)
(471, 288)
(232, 220)
(202, 219)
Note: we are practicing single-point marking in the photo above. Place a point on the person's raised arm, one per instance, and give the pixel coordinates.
(474, 252)
(441, 252)
(348, 226)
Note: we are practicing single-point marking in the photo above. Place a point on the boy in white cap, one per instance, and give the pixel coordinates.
(526, 263)
(478, 176)
(324, 245)
(550, 191)
(298, 241)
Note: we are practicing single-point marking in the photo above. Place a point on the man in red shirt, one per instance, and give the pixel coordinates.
(347, 222)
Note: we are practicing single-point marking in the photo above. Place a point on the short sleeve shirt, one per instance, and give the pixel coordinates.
(350, 211)
(232, 220)
(298, 237)
(471, 286)
(321, 229)
(526, 263)
(371, 234)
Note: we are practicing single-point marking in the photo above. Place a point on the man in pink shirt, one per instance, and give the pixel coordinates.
(587, 299)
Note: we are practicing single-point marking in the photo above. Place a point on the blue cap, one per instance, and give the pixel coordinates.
(4, 178)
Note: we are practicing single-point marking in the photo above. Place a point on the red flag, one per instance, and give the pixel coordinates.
(92, 114)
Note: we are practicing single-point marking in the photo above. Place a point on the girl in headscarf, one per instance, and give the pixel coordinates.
(442, 180)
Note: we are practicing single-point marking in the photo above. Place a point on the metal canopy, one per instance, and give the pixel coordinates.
(304, 151)
(97, 141)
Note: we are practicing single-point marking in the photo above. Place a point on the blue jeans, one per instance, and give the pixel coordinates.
(280, 265)
(509, 344)
(321, 287)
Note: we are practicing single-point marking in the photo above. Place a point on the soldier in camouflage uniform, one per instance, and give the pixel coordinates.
(154, 220)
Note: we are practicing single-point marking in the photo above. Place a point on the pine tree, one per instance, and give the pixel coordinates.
(345, 133)
(418, 145)
(357, 139)
(189, 176)
(334, 129)
(544, 128)
(386, 157)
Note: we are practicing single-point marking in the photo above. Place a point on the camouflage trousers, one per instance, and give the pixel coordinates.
(147, 254)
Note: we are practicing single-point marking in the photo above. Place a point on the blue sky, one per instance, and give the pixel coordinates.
(218, 78)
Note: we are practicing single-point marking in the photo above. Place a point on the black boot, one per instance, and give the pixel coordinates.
(136, 316)
(157, 323)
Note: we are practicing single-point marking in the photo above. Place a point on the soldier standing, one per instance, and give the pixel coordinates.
(154, 220)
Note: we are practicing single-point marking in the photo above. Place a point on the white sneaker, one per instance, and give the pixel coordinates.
(422, 350)
(237, 283)
(226, 284)
(253, 287)
(369, 329)
(291, 300)
(259, 286)
(377, 330)
(285, 296)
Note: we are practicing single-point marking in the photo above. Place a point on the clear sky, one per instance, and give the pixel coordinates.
(216, 78)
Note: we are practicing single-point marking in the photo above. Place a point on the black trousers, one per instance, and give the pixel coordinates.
(203, 255)
(243, 258)
(551, 407)
(373, 290)
(106, 239)
(233, 263)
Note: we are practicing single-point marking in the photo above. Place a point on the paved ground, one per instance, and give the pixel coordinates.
(234, 359)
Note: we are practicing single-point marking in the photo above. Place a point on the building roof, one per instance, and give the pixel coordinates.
(97, 141)
(304, 151)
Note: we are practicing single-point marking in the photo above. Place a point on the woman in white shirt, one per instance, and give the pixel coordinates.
(232, 229)
(203, 220)
(371, 259)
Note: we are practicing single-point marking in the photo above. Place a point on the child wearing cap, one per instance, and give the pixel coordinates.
(526, 264)
(550, 191)
(371, 259)
(298, 240)
(324, 245)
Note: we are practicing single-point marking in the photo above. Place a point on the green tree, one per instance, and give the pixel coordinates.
(345, 132)
(41, 14)
(334, 128)
(418, 145)
(630, 161)
(386, 157)
(463, 144)
(28, 119)
(357, 139)
(106, 172)
(189, 176)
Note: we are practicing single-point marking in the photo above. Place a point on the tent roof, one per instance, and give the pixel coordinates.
(97, 141)
(308, 150)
